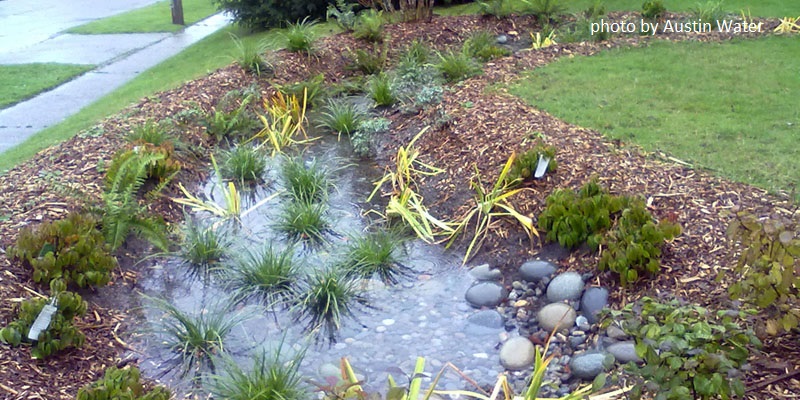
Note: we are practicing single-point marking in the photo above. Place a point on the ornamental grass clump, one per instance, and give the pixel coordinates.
(341, 116)
(305, 222)
(268, 275)
(271, 377)
(326, 298)
(244, 164)
(204, 246)
(300, 36)
(305, 182)
(377, 254)
(457, 66)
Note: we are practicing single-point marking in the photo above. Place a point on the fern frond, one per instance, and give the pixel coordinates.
(152, 229)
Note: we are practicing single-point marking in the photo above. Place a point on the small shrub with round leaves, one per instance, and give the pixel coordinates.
(72, 249)
(121, 383)
(526, 162)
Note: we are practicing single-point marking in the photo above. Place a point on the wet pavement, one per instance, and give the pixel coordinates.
(31, 33)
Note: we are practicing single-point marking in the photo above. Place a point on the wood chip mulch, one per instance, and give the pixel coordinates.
(481, 135)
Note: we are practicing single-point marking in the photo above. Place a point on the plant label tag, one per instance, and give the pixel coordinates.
(42, 321)
(541, 167)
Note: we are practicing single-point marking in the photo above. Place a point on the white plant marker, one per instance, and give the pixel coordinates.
(541, 167)
(42, 320)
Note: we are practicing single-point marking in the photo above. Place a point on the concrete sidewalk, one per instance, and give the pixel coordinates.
(119, 58)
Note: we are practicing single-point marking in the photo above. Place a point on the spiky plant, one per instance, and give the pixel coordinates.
(300, 36)
(341, 116)
(328, 297)
(267, 275)
(457, 65)
(270, 378)
(204, 247)
(195, 339)
(250, 55)
(149, 132)
(381, 90)
(244, 163)
(303, 221)
(376, 254)
(305, 183)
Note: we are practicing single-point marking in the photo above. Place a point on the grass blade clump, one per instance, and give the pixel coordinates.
(341, 116)
(268, 275)
(306, 222)
(305, 183)
(204, 247)
(376, 254)
(328, 297)
(381, 90)
(243, 163)
(195, 338)
(457, 66)
(300, 36)
(250, 55)
(269, 378)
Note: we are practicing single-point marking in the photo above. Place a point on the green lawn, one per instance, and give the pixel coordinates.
(203, 57)
(23, 81)
(153, 18)
(731, 107)
(760, 8)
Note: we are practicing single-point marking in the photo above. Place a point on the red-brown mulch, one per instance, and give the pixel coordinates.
(484, 135)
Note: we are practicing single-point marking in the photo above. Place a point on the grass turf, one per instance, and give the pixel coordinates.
(192, 63)
(23, 81)
(729, 107)
(762, 8)
(153, 18)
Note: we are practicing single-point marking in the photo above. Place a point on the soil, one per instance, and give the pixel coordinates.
(480, 136)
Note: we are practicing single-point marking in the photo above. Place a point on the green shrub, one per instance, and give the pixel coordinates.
(300, 36)
(121, 384)
(417, 53)
(429, 95)
(634, 245)
(262, 14)
(60, 333)
(243, 163)
(269, 378)
(768, 268)
(72, 249)
(150, 132)
(376, 254)
(369, 26)
(595, 10)
(710, 12)
(632, 240)
(341, 116)
(688, 352)
(122, 213)
(268, 276)
(250, 55)
(483, 46)
(305, 183)
(343, 13)
(312, 87)
(525, 163)
(495, 8)
(653, 9)
(225, 124)
(369, 62)
(363, 136)
(328, 296)
(546, 11)
(457, 65)
(381, 90)
(581, 31)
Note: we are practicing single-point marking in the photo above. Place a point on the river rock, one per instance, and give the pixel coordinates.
(594, 299)
(535, 270)
(487, 319)
(517, 353)
(566, 286)
(485, 273)
(556, 314)
(485, 294)
(590, 364)
(624, 351)
(616, 333)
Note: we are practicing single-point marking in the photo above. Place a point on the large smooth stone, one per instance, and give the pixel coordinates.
(535, 270)
(484, 272)
(554, 315)
(517, 353)
(487, 319)
(590, 364)
(566, 286)
(594, 299)
(624, 351)
(485, 294)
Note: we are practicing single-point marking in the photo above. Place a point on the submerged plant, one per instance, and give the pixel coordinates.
(376, 254)
(270, 377)
(307, 183)
(267, 275)
(243, 163)
(327, 298)
(204, 246)
(303, 221)
(195, 339)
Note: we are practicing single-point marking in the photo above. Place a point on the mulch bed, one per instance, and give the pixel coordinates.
(481, 136)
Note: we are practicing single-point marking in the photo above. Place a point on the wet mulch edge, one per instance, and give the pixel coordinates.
(483, 135)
